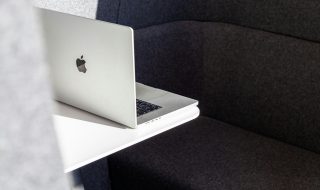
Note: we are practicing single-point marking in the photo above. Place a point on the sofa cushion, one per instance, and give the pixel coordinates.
(207, 154)
(256, 80)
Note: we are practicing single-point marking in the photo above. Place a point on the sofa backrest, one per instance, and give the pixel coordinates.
(289, 17)
(254, 64)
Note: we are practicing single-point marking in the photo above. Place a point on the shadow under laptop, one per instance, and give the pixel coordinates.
(65, 110)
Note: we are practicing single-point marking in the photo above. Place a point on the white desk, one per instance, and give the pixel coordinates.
(84, 138)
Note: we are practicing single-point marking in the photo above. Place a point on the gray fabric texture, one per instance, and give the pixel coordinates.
(29, 156)
(84, 8)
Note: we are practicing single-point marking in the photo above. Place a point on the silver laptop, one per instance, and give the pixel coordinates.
(92, 68)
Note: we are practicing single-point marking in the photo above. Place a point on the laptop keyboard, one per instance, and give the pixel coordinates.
(145, 107)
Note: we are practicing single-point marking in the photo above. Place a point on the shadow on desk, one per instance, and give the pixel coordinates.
(66, 110)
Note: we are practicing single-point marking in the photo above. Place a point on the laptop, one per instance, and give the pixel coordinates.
(92, 68)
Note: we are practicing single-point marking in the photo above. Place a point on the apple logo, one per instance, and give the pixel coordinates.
(81, 64)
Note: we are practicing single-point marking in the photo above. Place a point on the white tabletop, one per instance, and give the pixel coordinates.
(84, 138)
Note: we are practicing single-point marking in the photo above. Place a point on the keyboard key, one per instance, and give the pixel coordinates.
(145, 107)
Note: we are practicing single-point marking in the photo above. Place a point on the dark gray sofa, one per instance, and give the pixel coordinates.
(255, 68)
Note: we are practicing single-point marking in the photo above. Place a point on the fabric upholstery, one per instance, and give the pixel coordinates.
(207, 154)
(95, 176)
(250, 78)
(257, 80)
(289, 17)
(252, 64)
(108, 10)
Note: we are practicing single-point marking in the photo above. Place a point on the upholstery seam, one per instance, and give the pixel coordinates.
(252, 28)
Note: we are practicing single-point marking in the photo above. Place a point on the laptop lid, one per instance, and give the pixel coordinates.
(92, 65)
